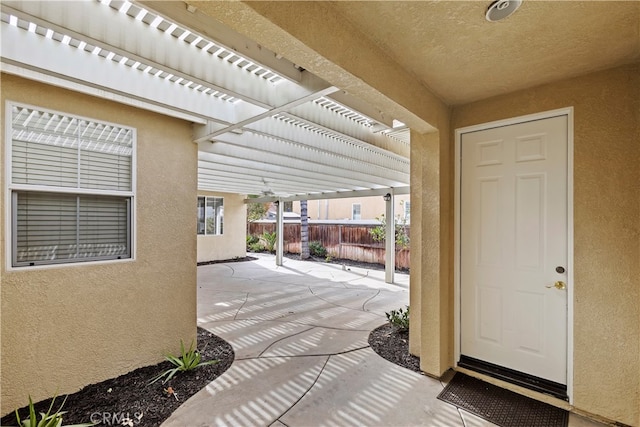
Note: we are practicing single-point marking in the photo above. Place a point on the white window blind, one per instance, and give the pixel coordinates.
(71, 186)
(63, 227)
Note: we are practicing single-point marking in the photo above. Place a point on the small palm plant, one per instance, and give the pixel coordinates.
(189, 360)
(269, 240)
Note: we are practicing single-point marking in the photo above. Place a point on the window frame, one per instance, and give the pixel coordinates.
(406, 207)
(204, 233)
(12, 189)
(353, 213)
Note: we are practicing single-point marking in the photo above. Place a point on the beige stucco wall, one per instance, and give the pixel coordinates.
(68, 326)
(232, 242)
(606, 228)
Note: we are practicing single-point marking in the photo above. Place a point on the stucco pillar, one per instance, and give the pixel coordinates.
(415, 320)
(436, 305)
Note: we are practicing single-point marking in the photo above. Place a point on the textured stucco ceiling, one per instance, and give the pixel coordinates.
(461, 57)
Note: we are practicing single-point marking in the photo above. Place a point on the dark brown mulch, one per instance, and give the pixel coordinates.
(226, 261)
(110, 401)
(346, 262)
(393, 345)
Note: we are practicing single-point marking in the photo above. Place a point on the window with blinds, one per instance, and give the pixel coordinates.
(210, 215)
(71, 188)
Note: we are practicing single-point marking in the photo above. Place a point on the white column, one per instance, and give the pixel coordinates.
(390, 239)
(279, 232)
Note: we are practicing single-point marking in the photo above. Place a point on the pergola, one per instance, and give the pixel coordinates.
(264, 126)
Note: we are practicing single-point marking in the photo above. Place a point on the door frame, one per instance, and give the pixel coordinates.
(568, 112)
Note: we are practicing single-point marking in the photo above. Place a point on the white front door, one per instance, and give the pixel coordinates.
(513, 247)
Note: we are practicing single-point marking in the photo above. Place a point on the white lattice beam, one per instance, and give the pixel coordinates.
(104, 27)
(24, 49)
(326, 140)
(269, 150)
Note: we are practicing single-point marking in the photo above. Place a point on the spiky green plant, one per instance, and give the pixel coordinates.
(189, 359)
(269, 240)
(47, 419)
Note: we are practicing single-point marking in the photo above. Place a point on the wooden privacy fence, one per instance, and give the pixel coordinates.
(346, 241)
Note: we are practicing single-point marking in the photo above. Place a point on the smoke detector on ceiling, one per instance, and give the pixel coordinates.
(501, 9)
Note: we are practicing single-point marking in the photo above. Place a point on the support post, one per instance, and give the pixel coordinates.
(279, 232)
(390, 239)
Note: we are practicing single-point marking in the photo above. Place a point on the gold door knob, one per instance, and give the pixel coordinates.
(560, 285)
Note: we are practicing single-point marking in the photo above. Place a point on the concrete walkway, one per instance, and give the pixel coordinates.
(300, 336)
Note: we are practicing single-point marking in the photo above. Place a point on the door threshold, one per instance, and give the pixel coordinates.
(521, 379)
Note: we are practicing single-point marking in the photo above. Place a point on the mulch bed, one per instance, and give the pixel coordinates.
(347, 262)
(110, 401)
(392, 344)
(226, 261)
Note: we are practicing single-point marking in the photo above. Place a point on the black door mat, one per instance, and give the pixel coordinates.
(500, 406)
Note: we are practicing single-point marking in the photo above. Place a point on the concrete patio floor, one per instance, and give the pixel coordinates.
(300, 336)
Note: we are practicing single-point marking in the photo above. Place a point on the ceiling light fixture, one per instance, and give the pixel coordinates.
(501, 9)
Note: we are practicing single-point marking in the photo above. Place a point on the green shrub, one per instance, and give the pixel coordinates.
(256, 247)
(399, 318)
(269, 241)
(379, 233)
(48, 419)
(186, 362)
(316, 249)
(253, 243)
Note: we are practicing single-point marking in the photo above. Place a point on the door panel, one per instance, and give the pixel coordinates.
(513, 235)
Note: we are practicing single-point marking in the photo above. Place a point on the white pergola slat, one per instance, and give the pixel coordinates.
(209, 172)
(47, 56)
(307, 133)
(310, 162)
(266, 114)
(225, 37)
(315, 113)
(246, 144)
(397, 191)
(106, 28)
(262, 125)
(257, 53)
(209, 161)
